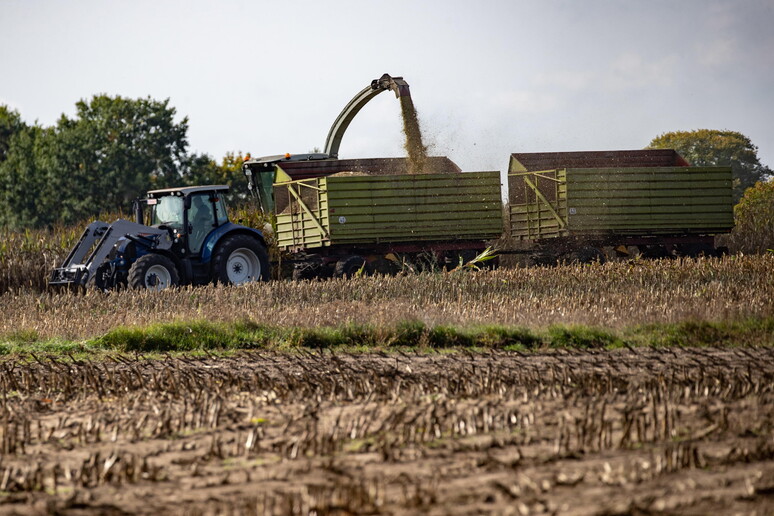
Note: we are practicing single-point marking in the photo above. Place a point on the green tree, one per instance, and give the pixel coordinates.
(114, 149)
(111, 152)
(203, 170)
(199, 169)
(709, 147)
(754, 217)
(23, 188)
(10, 125)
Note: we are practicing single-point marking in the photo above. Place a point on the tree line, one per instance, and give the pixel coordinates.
(114, 149)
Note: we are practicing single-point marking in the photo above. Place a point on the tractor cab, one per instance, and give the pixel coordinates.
(190, 213)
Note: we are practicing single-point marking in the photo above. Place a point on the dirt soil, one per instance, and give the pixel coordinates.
(645, 431)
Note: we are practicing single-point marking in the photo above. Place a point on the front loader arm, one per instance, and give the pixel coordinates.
(99, 238)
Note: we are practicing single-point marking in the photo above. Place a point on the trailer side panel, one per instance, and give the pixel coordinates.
(657, 200)
(641, 201)
(363, 210)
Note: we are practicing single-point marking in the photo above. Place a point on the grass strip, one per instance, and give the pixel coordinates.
(750, 332)
(193, 336)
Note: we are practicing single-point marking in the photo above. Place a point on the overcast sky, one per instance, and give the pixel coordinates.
(487, 77)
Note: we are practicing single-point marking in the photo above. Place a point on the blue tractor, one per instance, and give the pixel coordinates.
(188, 240)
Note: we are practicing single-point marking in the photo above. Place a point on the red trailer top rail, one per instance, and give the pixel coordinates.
(370, 166)
(534, 161)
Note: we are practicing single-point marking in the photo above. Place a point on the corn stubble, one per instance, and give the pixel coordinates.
(613, 295)
(571, 432)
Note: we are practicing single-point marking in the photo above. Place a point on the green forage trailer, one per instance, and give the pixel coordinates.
(343, 224)
(574, 204)
(347, 217)
(371, 210)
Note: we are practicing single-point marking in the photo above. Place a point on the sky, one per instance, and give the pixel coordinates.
(488, 78)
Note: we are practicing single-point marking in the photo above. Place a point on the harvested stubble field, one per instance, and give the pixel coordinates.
(597, 407)
(614, 296)
(639, 431)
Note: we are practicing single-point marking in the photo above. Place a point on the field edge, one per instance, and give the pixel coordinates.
(208, 336)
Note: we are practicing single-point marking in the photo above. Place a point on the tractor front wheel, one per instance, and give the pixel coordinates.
(240, 259)
(102, 279)
(154, 272)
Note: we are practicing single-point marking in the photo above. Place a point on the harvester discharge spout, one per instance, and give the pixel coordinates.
(396, 84)
(339, 127)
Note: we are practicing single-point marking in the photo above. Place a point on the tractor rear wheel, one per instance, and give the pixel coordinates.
(240, 259)
(154, 272)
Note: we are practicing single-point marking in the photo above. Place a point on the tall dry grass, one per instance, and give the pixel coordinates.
(28, 257)
(613, 295)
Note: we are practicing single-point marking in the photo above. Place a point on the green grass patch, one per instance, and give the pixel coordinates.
(198, 336)
(210, 337)
(52, 346)
(29, 341)
(750, 332)
(185, 336)
(583, 337)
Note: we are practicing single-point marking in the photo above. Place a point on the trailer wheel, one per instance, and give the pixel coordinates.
(153, 272)
(695, 250)
(240, 259)
(384, 266)
(654, 251)
(306, 271)
(350, 267)
(589, 254)
(584, 255)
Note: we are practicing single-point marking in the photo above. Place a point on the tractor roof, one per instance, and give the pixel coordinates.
(188, 190)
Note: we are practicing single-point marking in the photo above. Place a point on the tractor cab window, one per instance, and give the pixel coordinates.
(168, 211)
(220, 211)
(201, 220)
